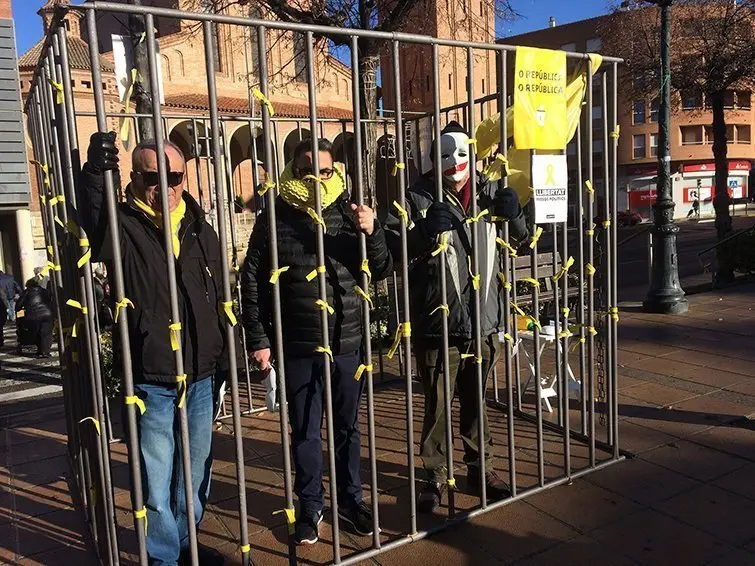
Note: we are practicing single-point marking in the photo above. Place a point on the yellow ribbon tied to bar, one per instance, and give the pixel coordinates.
(480, 216)
(589, 187)
(312, 274)
(324, 306)
(246, 547)
(142, 514)
(590, 231)
(276, 273)
(266, 186)
(590, 269)
(508, 337)
(264, 100)
(84, 243)
(518, 310)
(402, 213)
(398, 165)
(122, 304)
(175, 335)
(443, 308)
(181, 385)
(506, 246)
(134, 400)
(365, 268)
(77, 305)
(73, 228)
(564, 333)
(616, 133)
(361, 369)
(472, 142)
(316, 217)
(530, 281)
(534, 321)
(442, 242)
(290, 518)
(325, 350)
(227, 308)
(475, 277)
(58, 91)
(536, 237)
(505, 284)
(452, 483)
(95, 422)
(404, 330)
(496, 169)
(614, 312)
(365, 297)
(564, 269)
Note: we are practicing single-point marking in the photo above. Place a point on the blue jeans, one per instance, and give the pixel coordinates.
(162, 469)
(11, 309)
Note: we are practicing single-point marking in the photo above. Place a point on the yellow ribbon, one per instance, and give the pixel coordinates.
(227, 307)
(616, 133)
(312, 274)
(508, 337)
(564, 269)
(95, 422)
(125, 121)
(49, 251)
(360, 370)
(536, 237)
(534, 321)
(316, 217)
(142, 514)
(475, 278)
(122, 304)
(73, 228)
(404, 330)
(592, 331)
(134, 400)
(566, 311)
(506, 246)
(247, 547)
(550, 179)
(477, 218)
(492, 167)
(590, 269)
(366, 269)
(590, 231)
(265, 187)
(606, 223)
(74, 329)
(402, 213)
(264, 100)
(276, 273)
(359, 291)
(452, 483)
(175, 335)
(614, 312)
(472, 141)
(75, 359)
(564, 333)
(324, 306)
(181, 380)
(442, 246)
(76, 304)
(588, 186)
(325, 350)
(58, 91)
(290, 519)
(518, 311)
(398, 165)
(443, 308)
(531, 281)
(84, 243)
(502, 279)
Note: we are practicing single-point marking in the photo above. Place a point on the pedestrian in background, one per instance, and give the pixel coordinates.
(34, 319)
(13, 290)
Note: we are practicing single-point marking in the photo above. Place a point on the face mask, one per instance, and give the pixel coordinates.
(454, 154)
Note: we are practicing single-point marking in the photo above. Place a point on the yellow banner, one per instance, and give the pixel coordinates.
(540, 99)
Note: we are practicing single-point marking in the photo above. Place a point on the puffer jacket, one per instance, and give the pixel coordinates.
(424, 268)
(36, 304)
(297, 251)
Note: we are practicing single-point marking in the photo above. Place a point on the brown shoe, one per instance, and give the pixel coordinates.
(431, 496)
(495, 487)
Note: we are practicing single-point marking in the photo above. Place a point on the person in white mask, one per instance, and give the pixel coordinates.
(431, 223)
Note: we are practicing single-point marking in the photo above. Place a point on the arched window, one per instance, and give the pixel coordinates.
(180, 64)
(165, 67)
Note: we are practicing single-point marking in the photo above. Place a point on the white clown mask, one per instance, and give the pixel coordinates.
(454, 154)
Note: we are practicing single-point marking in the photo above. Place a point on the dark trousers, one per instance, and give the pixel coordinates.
(38, 332)
(306, 402)
(462, 378)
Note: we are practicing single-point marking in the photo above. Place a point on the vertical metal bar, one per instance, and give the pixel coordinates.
(590, 232)
(650, 255)
(581, 275)
(605, 272)
(322, 285)
(536, 353)
(407, 343)
(175, 315)
(614, 357)
(564, 345)
(365, 284)
(562, 400)
(275, 290)
(475, 273)
(198, 164)
(207, 28)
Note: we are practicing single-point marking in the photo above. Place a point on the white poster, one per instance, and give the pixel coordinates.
(550, 185)
(123, 58)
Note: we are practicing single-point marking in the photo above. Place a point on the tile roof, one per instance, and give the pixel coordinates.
(234, 105)
(78, 56)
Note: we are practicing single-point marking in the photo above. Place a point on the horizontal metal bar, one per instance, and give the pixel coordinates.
(298, 27)
(235, 118)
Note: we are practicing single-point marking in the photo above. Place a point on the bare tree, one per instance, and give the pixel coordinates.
(712, 56)
(378, 15)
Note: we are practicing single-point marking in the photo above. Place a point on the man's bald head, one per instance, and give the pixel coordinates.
(144, 177)
(137, 156)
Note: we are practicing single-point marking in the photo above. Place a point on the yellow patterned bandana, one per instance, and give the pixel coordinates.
(300, 194)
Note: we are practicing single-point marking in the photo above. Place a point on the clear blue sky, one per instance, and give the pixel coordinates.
(535, 14)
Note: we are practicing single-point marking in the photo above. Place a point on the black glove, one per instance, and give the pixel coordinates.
(102, 154)
(438, 219)
(506, 203)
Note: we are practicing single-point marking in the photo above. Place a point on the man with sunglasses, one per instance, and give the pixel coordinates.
(196, 254)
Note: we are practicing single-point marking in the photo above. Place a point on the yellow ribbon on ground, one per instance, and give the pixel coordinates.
(142, 514)
(325, 350)
(181, 384)
(502, 278)
(506, 246)
(404, 330)
(95, 422)
(317, 218)
(324, 306)
(276, 273)
(122, 304)
(564, 269)
(175, 335)
(365, 268)
(290, 518)
(443, 308)
(264, 100)
(402, 213)
(134, 400)
(312, 274)
(365, 297)
(479, 217)
(442, 242)
(76, 304)
(361, 369)
(536, 237)
(398, 165)
(227, 308)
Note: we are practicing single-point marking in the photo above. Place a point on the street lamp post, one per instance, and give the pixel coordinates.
(665, 294)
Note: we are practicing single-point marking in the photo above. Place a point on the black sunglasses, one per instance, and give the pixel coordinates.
(325, 174)
(152, 178)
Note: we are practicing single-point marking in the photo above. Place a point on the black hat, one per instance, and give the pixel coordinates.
(453, 127)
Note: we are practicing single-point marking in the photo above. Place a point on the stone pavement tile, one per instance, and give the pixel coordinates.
(62, 557)
(580, 551)
(708, 376)
(736, 440)
(35, 473)
(653, 539)
(713, 410)
(739, 481)
(693, 460)
(722, 514)
(7, 542)
(737, 557)
(58, 529)
(212, 531)
(33, 500)
(732, 364)
(747, 387)
(641, 481)
(583, 506)
(627, 382)
(639, 439)
(657, 395)
(745, 402)
(39, 450)
(643, 346)
(674, 422)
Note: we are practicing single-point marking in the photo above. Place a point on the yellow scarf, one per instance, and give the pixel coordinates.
(157, 218)
(301, 194)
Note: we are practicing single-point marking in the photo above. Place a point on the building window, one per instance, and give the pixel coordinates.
(691, 99)
(654, 105)
(639, 82)
(638, 146)
(743, 99)
(743, 133)
(692, 135)
(482, 9)
(86, 84)
(730, 133)
(594, 45)
(449, 81)
(639, 112)
(653, 145)
(73, 83)
(483, 86)
(729, 99)
(300, 58)
(104, 87)
(571, 47)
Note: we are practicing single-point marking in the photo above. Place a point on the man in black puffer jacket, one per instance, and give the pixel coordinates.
(431, 224)
(296, 234)
(35, 326)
